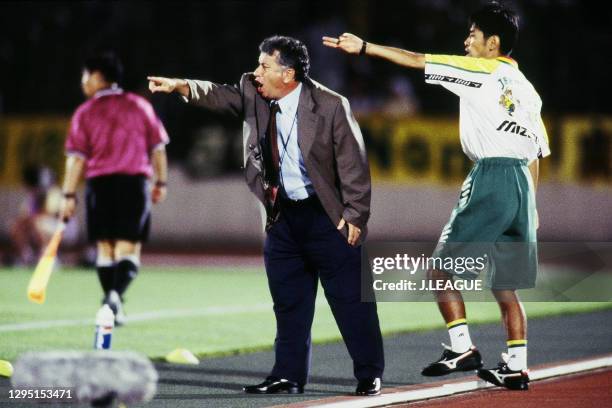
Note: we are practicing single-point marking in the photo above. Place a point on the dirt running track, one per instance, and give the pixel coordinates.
(592, 389)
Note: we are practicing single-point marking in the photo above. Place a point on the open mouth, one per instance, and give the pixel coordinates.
(258, 85)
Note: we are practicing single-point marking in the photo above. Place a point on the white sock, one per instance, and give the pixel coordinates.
(517, 355)
(459, 336)
(103, 261)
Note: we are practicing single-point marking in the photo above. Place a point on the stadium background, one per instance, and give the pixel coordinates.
(216, 304)
(410, 128)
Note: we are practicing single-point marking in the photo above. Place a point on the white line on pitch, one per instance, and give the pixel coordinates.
(460, 387)
(139, 317)
(146, 316)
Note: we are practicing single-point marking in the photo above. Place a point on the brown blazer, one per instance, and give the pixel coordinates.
(328, 136)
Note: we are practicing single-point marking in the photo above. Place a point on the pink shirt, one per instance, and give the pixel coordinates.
(115, 132)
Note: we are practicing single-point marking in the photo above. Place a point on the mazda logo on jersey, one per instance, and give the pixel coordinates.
(513, 127)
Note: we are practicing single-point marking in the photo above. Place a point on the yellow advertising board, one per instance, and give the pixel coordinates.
(427, 150)
(415, 150)
(411, 150)
(28, 141)
(585, 149)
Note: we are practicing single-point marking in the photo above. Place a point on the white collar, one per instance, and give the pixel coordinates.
(113, 90)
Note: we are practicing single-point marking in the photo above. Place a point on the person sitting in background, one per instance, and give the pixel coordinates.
(37, 217)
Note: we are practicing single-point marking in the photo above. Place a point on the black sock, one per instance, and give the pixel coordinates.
(126, 270)
(106, 275)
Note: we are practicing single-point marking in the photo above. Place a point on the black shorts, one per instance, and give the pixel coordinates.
(118, 207)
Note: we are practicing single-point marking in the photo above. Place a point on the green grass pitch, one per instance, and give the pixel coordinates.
(209, 311)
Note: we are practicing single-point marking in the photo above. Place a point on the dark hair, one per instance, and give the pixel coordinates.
(292, 54)
(495, 19)
(107, 63)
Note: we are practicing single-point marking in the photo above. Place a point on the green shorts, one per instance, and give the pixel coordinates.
(495, 219)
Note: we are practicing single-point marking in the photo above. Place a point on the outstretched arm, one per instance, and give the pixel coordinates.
(168, 85)
(351, 44)
(206, 94)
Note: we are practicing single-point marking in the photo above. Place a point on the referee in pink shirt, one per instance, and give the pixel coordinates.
(116, 138)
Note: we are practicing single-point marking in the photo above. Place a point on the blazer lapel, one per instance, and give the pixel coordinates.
(262, 112)
(307, 120)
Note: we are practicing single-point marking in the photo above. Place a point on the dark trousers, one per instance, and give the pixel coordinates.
(301, 247)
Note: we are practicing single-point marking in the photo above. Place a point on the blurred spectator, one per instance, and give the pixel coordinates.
(38, 216)
(364, 101)
(402, 100)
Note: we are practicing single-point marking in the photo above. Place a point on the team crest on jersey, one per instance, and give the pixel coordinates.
(506, 101)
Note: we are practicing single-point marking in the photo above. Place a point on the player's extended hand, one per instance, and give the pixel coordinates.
(347, 42)
(161, 84)
(353, 231)
(158, 194)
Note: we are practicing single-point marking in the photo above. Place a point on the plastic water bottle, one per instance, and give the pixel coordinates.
(105, 321)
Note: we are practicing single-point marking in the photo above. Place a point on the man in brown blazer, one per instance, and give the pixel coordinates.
(305, 161)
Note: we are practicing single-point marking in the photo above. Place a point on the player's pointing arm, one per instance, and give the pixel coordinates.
(351, 44)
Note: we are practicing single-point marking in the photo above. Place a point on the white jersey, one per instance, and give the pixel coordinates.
(499, 108)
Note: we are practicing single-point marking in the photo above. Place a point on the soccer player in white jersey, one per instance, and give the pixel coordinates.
(502, 131)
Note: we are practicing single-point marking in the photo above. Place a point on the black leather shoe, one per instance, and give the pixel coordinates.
(369, 387)
(274, 385)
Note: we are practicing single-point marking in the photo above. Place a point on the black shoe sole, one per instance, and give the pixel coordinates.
(516, 385)
(444, 370)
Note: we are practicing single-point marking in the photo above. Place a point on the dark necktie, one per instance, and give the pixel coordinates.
(272, 136)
